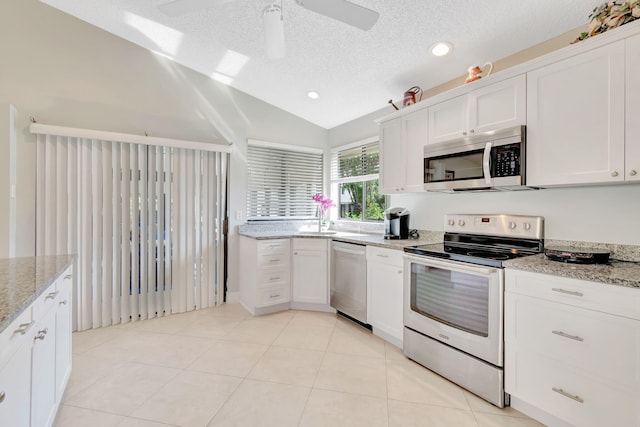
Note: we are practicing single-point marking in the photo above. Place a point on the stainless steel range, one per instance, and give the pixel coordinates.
(454, 294)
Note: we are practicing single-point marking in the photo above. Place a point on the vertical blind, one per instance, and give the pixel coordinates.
(146, 222)
(281, 181)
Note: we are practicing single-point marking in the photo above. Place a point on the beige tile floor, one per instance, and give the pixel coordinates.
(223, 367)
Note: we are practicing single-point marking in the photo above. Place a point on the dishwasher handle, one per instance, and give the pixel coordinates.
(349, 251)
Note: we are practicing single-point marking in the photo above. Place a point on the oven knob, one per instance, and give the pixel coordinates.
(527, 226)
(512, 225)
(461, 222)
(451, 222)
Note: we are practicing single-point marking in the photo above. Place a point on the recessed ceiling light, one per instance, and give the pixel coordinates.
(313, 94)
(441, 48)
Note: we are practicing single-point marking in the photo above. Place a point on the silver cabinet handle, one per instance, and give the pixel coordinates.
(63, 302)
(614, 174)
(564, 291)
(400, 271)
(565, 394)
(52, 295)
(41, 334)
(565, 335)
(633, 172)
(24, 327)
(274, 296)
(2, 396)
(68, 277)
(383, 255)
(471, 130)
(464, 133)
(271, 279)
(274, 260)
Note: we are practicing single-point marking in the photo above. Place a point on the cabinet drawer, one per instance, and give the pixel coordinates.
(569, 393)
(311, 244)
(16, 334)
(272, 295)
(273, 260)
(386, 256)
(610, 299)
(606, 345)
(270, 247)
(273, 275)
(46, 301)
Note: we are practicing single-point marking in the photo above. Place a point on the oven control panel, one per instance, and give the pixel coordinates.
(495, 224)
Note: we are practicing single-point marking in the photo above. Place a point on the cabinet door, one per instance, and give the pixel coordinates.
(449, 119)
(310, 274)
(43, 375)
(392, 171)
(632, 139)
(498, 106)
(63, 334)
(385, 284)
(575, 119)
(15, 387)
(416, 134)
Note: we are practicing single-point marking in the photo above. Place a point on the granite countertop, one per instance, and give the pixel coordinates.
(343, 236)
(22, 280)
(620, 273)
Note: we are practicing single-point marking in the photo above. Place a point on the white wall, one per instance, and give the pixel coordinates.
(66, 72)
(606, 214)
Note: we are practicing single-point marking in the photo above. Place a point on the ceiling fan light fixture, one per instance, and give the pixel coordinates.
(441, 48)
(274, 31)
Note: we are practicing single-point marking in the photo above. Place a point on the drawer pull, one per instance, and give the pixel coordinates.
(63, 302)
(52, 295)
(274, 278)
(274, 260)
(68, 277)
(564, 291)
(41, 334)
(565, 335)
(274, 296)
(383, 255)
(565, 394)
(2, 396)
(24, 328)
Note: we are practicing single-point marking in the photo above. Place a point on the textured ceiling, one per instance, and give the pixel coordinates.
(356, 72)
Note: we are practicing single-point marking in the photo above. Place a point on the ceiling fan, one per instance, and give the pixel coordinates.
(340, 10)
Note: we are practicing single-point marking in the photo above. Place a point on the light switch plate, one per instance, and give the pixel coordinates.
(238, 215)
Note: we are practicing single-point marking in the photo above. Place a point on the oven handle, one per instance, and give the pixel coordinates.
(452, 265)
(486, 163)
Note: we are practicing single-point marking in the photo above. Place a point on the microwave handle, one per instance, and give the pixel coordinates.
(486, 163)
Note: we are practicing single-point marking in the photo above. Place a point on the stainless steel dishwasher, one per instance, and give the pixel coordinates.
(349, 279)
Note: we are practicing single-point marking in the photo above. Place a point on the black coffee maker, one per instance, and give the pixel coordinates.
(396, 223)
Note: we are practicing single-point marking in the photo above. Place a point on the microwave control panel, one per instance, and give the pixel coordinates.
(506, 160)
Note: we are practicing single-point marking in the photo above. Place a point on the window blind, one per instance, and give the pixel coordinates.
(281, 181)
(360, 163)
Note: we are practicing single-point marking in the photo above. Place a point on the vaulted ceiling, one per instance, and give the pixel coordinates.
(355, 72)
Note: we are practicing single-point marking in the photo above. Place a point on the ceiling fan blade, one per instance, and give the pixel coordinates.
(344, 11)
(184, 7)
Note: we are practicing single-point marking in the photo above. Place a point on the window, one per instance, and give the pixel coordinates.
(281, 180)
(354, 178)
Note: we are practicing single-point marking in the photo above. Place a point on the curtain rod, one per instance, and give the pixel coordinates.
(38, 128)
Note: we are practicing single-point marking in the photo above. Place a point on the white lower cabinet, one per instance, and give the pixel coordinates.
(384, 293)
(572, 348)
(310, 272)
(265, 276)
(35, 358)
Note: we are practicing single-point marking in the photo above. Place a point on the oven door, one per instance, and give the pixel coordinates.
(456, 303)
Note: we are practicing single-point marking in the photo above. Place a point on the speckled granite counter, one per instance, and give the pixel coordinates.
(620, 273)
(22, 280)
(364, 239)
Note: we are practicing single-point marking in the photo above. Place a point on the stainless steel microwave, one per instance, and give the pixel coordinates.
(488, 161)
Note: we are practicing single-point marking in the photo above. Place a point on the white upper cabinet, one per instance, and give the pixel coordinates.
(496, 106)
(632, 130)
(575, 119)
(401, 153)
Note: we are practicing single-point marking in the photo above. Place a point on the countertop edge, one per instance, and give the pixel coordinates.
(616, 273)
(4, 323)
